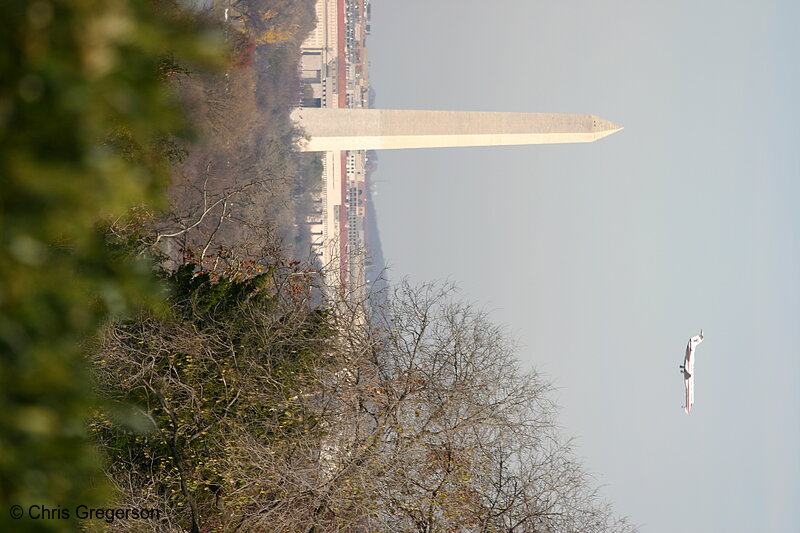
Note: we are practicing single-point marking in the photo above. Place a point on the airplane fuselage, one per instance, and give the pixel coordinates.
(688, 371)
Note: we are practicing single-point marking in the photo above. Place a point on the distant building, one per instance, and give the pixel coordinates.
(333, 72)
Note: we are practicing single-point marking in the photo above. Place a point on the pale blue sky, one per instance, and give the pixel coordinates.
(604, 258)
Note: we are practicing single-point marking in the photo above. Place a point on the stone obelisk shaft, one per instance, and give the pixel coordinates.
(383, 129)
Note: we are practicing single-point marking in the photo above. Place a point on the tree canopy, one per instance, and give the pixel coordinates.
(159, 350)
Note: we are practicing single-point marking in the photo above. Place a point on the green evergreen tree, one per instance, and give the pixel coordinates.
(81, 106)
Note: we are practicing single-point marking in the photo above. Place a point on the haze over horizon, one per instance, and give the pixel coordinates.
(604, 258)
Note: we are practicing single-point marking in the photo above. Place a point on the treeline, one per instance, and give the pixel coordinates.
(160, 349)
(250, 409)
(239, 183)
(91, 136)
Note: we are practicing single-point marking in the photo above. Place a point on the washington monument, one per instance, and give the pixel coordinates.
(331, 129)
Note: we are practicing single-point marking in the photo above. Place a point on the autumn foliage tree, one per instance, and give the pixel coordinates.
(439, 429)
(261, 411)
(199, 395)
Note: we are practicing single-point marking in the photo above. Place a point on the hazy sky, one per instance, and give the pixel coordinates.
(604, 258)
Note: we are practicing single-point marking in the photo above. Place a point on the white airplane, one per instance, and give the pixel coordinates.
(688, 370)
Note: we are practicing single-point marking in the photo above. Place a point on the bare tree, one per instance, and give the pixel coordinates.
(439, 429)
(269, 414)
